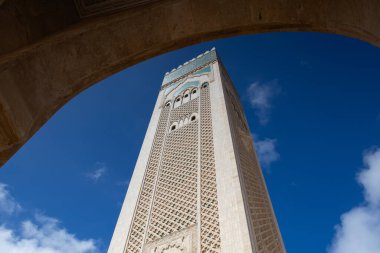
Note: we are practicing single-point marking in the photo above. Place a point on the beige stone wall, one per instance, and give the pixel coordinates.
(264, 231)
(234, 226)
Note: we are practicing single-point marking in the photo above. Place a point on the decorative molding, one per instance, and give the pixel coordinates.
(190, 67)
(186, 75)
(178, 242)
(88, 8)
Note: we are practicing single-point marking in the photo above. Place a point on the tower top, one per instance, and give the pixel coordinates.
(189, 66)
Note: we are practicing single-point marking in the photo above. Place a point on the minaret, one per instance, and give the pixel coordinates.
(197, 186)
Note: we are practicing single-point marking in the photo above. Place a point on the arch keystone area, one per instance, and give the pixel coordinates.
(52, 50)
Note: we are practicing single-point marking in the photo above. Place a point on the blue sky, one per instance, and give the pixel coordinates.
(312, 103)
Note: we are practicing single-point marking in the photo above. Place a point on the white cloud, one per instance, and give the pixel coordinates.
(359, 231)
(99, 171)
(42, 235)
(260, 97)
(266, 151)
(8, 205)
(370, 178)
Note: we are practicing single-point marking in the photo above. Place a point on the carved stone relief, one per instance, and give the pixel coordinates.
(181, 242)
(87, 8)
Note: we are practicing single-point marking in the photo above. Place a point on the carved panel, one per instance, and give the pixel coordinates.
(175, 200)
(136, 236)
(180, 242)
(179, 194)
(210, 233)
(87, 8)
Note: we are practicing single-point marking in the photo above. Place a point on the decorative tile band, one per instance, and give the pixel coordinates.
(189, 67)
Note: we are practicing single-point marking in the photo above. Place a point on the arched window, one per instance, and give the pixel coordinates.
(167, 104)
(177, 102)
(205, 84)
(173, 127)
(194, 93)
(186, 96)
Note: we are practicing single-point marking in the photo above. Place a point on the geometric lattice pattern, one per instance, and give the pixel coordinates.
(263, 220)
(136, 235)
(175, 200)
(181, 163)
(210, 234)
(186, 109)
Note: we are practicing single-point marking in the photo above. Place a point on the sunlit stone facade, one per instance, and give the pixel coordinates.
(197, 185)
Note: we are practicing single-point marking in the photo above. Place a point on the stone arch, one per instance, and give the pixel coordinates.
(194, 93)
(204, 85)
(186, 96)
(168, 103)
(43, 69)
(177, 101)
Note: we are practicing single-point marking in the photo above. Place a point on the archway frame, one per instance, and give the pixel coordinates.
(41, 77)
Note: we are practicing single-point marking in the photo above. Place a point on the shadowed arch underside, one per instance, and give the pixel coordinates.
(50, 52)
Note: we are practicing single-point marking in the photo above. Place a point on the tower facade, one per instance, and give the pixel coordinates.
(197, 186)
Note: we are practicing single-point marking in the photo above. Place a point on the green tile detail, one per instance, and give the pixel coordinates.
(191, 66)
(186, 86)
